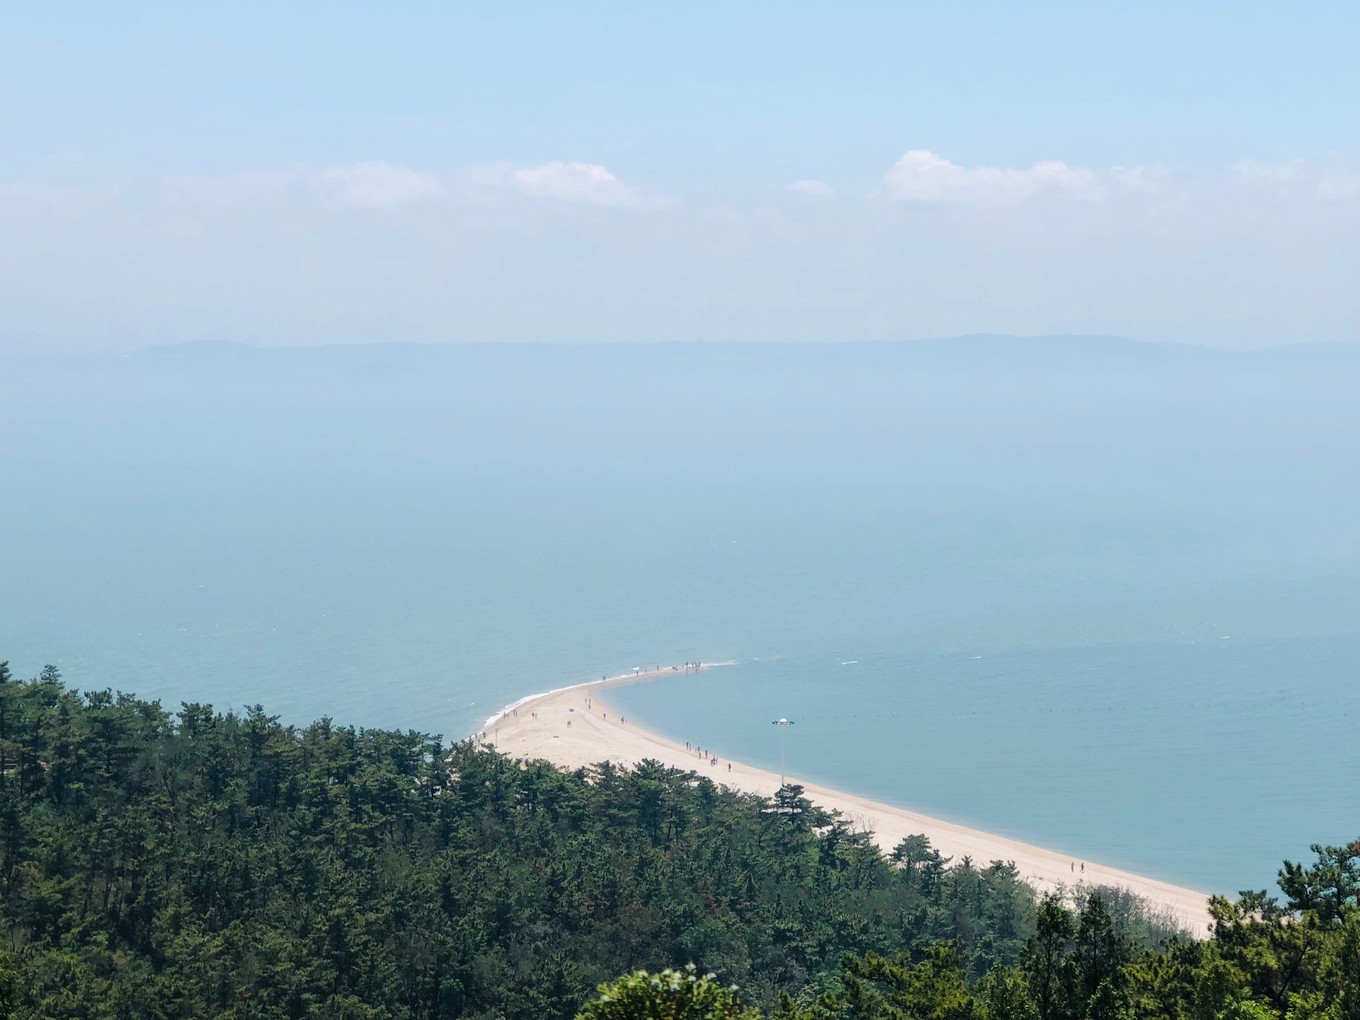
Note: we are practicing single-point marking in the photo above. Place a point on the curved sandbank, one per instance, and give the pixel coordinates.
(573, 727)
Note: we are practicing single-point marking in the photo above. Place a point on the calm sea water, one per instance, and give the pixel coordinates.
(1184, 761)
(1107, 604)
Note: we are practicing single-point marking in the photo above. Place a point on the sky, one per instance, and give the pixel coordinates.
(336, 173)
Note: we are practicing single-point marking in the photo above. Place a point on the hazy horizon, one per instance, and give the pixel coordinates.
(37, 349)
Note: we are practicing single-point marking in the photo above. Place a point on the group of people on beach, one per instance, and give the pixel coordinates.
(700, 752)
(688, 667)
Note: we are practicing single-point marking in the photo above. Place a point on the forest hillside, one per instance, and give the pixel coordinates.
(208, 864)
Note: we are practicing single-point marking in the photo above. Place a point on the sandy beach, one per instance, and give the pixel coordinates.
(575, 726)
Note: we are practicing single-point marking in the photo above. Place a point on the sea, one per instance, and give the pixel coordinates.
(1098, 595)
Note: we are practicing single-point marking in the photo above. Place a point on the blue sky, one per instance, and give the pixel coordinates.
(575, 172)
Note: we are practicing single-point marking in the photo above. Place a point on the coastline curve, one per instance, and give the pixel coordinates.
(574, 727)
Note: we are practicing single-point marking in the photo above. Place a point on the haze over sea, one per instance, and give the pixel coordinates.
(1099, 595)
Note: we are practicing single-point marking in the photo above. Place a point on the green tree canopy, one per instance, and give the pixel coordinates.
(668, 995)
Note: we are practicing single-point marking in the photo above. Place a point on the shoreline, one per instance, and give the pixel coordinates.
(639, 675)
(574, 727)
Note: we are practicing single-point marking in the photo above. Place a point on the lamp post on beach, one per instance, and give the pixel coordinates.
(783, 725)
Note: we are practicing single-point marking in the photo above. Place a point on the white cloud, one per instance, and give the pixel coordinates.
(1142, 178)
(922, 176)
(372, 185)
(1269, 173)
(1229, 253)
(1330, 179)
(589, 183)
(813, 191)
(379, 185)
(1340, 185)
(1339, 178)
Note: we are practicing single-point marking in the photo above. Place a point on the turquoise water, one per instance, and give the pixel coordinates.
(1106, 602)
(1165, 758)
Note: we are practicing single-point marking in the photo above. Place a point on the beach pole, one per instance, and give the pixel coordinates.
(783, 725)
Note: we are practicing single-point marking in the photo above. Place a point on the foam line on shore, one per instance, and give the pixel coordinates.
(604, 681)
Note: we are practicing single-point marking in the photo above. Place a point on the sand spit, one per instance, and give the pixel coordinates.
(575, 726)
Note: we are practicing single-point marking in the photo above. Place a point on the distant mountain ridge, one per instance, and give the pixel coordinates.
(970, 341)
(1054, 350)
(1063, 350)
